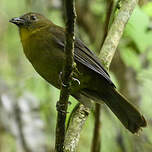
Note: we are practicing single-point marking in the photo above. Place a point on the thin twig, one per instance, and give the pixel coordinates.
(67, 75)
(107, 21)
(96, 141)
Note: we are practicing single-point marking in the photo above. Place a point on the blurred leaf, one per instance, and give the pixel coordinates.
(148, 9)
(149, 55)
(130, 58)
(136, 30)
(97, 8)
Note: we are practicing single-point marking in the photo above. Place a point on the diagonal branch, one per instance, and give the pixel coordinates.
(67, 75)
(112, 40)
(76, 122)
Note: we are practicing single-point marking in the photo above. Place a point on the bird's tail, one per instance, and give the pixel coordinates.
(126, 113)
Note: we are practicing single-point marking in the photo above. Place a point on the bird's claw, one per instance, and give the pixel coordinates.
(74, 79)
(64, 85)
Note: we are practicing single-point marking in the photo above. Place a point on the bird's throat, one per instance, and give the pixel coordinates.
(24, 33)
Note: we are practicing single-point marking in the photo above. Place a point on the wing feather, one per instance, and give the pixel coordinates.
(82, 54)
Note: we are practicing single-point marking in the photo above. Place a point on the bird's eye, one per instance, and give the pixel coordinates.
(32, 17)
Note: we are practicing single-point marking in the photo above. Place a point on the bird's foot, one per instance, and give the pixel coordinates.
(75, 79)
(64, 85)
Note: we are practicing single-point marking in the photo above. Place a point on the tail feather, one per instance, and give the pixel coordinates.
(126, 113)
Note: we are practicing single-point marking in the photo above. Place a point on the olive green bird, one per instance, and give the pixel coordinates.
(43, 44)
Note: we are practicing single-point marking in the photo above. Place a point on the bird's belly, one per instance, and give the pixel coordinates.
(49, 72)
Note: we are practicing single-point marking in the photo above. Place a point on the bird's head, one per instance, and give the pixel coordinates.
(30, 21)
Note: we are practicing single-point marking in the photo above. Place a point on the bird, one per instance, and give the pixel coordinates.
(43, 44)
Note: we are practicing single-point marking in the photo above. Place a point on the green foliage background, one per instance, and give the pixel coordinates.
(135, 50)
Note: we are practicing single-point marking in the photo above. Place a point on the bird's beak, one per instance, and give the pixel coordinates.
(18, 21)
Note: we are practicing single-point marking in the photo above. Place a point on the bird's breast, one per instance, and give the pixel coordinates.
(45, 58)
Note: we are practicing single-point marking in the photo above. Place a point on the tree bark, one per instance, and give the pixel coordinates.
(66, 78)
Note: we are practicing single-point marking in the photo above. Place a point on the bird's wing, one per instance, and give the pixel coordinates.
(83, 55)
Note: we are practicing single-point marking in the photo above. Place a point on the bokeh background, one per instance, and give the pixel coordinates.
(28, 103)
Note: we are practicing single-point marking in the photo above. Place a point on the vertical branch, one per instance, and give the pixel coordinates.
(96, 141)
(66, 75)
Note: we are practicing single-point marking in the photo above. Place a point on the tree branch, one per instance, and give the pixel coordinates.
(116, 30)
(96, 140)
(67, 75)
(109, 10)
(76, 122)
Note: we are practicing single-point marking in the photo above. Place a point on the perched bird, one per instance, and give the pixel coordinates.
(43, 44)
